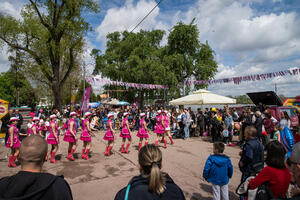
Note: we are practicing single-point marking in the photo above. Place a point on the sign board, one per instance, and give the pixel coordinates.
(3, 112)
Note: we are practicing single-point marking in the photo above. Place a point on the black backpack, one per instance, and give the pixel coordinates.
(264, 192)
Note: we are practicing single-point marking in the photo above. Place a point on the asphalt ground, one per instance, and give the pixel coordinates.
(102, 177)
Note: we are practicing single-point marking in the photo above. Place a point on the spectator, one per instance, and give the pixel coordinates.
(252, 156)
(6, 123)
(269, 127)
(20, 117)
(258, 124)
(152, 183)
(285, 120)
(228, 122)
(214, 126)
(30, 182)
(200, 122)
(187, 122)
(218, 170)
(275, 174)
(294, 165)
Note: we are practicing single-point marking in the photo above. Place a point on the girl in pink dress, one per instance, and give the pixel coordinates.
(53, 138)
(160, 128)
(167, 126)
(35, 127)
(13, 141)
(29, 126)
(71, 137)
(86, 136)
(109, 135)
(125, 133)
(142, 133)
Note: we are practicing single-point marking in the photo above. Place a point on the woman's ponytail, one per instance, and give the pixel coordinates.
(150, 158)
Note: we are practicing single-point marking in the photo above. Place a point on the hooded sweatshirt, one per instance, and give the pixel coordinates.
(139, 190)
(33, 186)
(218, 169)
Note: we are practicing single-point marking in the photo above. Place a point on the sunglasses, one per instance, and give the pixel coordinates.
(290, 162)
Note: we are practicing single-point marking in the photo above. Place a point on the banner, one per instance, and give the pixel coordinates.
(93, 80)
(254, 77)
(73, 97)
(85, 99)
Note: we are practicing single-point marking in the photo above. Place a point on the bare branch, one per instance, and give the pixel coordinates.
(40, 16)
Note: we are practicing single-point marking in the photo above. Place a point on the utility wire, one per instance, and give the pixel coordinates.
(146, 15)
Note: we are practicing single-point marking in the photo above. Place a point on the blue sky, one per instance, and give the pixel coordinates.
(248, 36)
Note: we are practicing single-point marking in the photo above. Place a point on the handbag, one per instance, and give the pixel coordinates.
(264, 192)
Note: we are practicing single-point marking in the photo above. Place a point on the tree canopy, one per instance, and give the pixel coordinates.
(51, 35)
(141, 58)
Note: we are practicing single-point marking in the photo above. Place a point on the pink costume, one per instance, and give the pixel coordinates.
(125, 132)
(65, 126)
(68, 136)
(142, 133)
(51, 139)
(36, 129)
(85, 135)
(16, 140)
(109, 135)
(159, 129)
(166, 122)
(29, 130)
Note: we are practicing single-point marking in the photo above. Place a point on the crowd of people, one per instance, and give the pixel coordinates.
(257, 129)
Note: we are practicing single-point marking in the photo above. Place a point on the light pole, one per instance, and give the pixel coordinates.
(83, 106)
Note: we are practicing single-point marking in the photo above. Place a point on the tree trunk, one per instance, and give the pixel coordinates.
(141, 97)
(56, 89)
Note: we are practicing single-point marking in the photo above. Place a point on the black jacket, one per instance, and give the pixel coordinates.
(34, 186)
(139, 190)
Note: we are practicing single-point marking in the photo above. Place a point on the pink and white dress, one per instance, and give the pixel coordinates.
(29, 130)
(85, 135)
(109, 136)
(166, 122)
(142, 133)
(16, 140)
(159, 129)
(68, 136)
(51, 139)
(125, 132)
(36, 129)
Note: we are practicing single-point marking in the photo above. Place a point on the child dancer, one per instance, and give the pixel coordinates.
(160, 128)
(142, 133)
(35, 127)
(168, 130)
(53, 138)
(125, 133)
(70, 136)
(13, 141)
(86, 136)
(109, 135)
(65, 124)
(29, 126)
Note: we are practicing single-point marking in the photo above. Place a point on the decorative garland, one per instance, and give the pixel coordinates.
(255, 77)
(93, 80)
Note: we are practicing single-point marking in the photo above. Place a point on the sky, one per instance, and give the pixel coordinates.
(248, 36)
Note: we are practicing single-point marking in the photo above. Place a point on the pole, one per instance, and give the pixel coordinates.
(83, 106)
(275, 88)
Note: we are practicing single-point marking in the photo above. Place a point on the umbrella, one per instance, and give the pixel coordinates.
(113, 102)
(202, 97)
(94, 104)
(123, 103)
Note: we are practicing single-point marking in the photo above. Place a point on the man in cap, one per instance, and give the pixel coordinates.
(30, 182)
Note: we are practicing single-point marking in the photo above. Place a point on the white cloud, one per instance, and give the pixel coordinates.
(11, 9)
(128, 16)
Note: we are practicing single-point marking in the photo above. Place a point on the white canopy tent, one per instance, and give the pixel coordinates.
(202, 97)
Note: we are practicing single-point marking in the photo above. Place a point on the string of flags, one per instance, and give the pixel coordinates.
(254, 77)
(236, 80)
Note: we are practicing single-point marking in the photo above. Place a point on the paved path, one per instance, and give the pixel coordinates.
(102, 177)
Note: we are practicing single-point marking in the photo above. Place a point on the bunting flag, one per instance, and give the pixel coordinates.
(93, 80)
(255, 77)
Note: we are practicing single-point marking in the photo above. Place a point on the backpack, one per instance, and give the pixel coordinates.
(264, 192)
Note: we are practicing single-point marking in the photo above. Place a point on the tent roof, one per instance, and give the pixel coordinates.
(203, 97)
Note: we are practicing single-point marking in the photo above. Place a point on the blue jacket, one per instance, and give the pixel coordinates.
(218, 169)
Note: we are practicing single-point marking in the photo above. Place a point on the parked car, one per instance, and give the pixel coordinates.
(274, 103)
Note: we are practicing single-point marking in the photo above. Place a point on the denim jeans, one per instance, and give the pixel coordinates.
(187, 130)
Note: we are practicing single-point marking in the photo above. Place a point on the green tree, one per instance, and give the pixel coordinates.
(140, 58)
(51, 34)
(8, 90)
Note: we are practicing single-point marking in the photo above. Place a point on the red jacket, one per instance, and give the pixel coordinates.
(269, 126)
(278, 179)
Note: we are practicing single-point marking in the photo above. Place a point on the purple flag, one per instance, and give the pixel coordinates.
(85, 99)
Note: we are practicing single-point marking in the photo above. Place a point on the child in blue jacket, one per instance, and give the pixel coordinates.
(218, 170)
